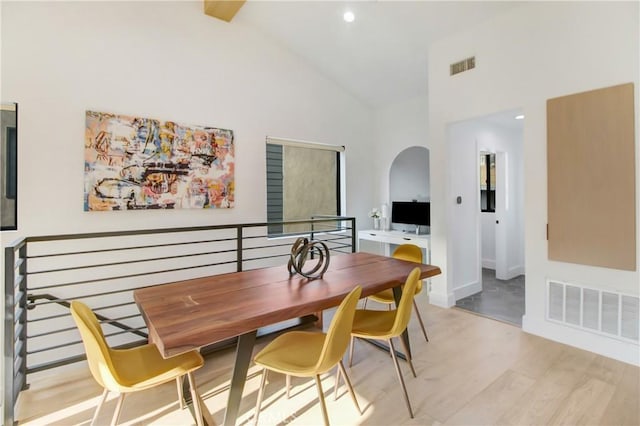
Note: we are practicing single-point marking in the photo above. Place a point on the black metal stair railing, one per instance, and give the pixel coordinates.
(43, 274)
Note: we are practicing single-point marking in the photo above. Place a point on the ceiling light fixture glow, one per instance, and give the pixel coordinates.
(519, 117)
(349, 16)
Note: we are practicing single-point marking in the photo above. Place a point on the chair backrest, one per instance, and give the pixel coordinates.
(403, 312)
(95, 346)
(409, 252)
(339, 333)
(412, 253)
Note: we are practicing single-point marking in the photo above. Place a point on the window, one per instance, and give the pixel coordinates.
(303, 180)
(8, 167)
(487, 182)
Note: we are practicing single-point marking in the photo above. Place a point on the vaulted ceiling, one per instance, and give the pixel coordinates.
(381, 57)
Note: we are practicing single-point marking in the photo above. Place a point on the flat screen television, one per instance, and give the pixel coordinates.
(411, 212)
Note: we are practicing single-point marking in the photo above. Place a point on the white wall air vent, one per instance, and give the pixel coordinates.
(461, 66)
(604, 312)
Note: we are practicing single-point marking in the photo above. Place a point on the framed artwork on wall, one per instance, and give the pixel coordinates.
(134, 163)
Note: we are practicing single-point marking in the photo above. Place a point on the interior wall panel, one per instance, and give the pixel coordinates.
(591, 178)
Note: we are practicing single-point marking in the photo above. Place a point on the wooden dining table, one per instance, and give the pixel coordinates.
(187, 315)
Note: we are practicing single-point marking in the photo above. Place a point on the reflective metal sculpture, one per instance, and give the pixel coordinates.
(300, 252)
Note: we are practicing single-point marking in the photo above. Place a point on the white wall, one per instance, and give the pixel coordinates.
(397, 127)
(524, 57)
(164, 60)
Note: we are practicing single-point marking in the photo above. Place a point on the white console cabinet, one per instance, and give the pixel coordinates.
(398, 238)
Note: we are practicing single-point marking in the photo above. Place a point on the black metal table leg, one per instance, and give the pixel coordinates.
(384, 347)
(244, 351)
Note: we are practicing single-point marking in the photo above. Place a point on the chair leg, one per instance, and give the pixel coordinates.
(336, 385)
(180, 393)
(321, 397)
(263, 383)
(288, 380)
(351, 351)
(406, 353)
(399, 373)
(424, 332)
(195, 399)
(100, 404)
(116, 413)
(349, 386)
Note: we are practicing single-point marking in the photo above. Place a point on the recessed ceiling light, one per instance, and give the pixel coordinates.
(349, 16)
(519, 117)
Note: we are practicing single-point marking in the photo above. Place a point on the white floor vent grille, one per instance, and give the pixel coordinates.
(603, 312)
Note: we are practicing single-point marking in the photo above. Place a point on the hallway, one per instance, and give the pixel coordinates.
(499, 299)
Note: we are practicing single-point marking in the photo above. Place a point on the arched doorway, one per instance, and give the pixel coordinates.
(409, 177)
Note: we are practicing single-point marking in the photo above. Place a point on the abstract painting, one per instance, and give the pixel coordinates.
(134, 163)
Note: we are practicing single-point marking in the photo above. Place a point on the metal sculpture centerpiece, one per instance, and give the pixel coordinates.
(301, 251)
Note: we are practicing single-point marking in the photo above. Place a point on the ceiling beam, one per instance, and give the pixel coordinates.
(222, 9)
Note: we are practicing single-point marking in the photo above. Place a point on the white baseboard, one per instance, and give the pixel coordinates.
(612, 348)
(446, 300)
(467, 290)
(489, 263)
(514, 271)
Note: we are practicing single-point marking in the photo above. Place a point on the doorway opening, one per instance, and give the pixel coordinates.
(488, 230)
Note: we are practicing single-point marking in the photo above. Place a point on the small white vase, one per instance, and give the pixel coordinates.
(376, 223)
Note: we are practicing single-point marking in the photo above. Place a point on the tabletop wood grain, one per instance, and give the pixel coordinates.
(190, 314)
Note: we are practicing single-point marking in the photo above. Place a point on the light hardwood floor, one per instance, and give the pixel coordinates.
(474, 371)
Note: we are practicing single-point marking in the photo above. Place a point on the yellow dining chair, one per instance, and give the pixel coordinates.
(130, 370)
(385, 325)
(411, 253)
(309, 354)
